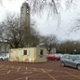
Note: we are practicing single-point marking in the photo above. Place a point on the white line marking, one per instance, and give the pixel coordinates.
(72, 75)
(26, 78)
(48, 74)
(18, 69)
(26, 68)
(1, 66)
(34, 69)
(8, 72)
(7, 66)
(12, 67)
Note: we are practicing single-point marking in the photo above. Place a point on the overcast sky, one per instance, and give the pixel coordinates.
(59, 26)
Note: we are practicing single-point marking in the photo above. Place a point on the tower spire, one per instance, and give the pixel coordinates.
(25, 14)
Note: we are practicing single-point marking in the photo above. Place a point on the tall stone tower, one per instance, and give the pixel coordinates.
(25, 15)
(25, 24)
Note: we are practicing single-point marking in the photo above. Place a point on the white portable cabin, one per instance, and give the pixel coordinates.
(35, 54)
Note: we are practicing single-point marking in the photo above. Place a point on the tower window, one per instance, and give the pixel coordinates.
(27, 11)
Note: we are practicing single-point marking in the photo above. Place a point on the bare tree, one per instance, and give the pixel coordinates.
(69, 47)
(30, 37)
(49, 41)
(34, 37)
(52, 5)
(17, 35)
(11, 30)
(76, 26)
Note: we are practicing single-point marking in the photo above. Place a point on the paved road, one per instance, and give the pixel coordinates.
(38, 71)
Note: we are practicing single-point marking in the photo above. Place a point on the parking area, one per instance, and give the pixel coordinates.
(37, 71)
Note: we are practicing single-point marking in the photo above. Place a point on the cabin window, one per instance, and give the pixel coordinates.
(41, 52)
(25, 52)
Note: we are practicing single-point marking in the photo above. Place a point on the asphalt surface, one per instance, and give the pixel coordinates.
(51, 70)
